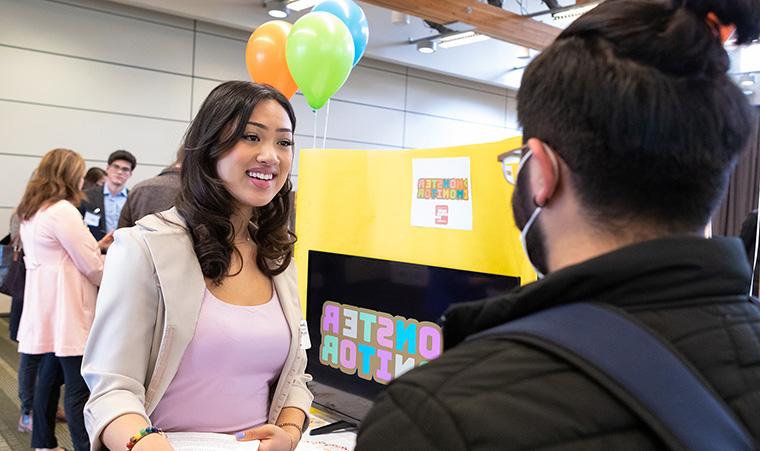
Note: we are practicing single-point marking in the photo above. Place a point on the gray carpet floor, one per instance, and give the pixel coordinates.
(10, 438)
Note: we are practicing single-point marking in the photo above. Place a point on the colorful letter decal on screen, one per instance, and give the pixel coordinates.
(375, 345)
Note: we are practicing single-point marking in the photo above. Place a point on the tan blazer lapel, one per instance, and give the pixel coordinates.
(182, 288)
(283, 283)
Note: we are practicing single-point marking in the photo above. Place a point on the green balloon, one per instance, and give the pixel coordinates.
(320, 55)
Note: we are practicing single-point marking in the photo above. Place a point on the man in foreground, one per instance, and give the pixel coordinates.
(631, 129)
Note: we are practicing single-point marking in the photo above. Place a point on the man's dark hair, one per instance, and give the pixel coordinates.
(635, 99)
(123, 155)
(204, 202)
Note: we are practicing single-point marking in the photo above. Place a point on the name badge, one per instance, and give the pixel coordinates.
(305, 340)
(91, 219)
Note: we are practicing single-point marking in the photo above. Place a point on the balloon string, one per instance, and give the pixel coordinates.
(327, 118)
(314, 143)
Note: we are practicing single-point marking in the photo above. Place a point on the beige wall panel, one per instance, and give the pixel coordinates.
(432, 76)
(233, 33)
(115, 7)
(382, 65)
(201, 90)
(449, 101)
(5, 219)
(143, 172)
(426, 131)
(220, 58)
(59, 28)
(366, 124)
(35, 129)
(50, 79)
(15, 172)
(512, 113)
(335, 144)
(374, 87)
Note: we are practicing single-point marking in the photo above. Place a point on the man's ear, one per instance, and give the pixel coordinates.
(544, 172)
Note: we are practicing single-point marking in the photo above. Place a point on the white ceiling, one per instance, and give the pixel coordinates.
(492, 62)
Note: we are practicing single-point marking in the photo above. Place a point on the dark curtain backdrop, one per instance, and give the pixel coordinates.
(741, 196)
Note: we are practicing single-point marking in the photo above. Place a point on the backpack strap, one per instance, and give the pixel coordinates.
(639, 369)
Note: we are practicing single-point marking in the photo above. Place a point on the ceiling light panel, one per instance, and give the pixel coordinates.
(300, 5)
(469, 37)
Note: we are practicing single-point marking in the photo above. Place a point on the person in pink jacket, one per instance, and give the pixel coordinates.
(64, 266)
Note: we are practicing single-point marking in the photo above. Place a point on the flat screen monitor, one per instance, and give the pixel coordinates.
(371, 320)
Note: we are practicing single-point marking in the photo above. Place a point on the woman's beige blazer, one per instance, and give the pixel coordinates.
(145, 317)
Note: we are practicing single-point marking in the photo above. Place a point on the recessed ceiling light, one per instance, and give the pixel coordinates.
(277, 11)
(747, 80)
(276, 8)
(300, 5)
(427, 46)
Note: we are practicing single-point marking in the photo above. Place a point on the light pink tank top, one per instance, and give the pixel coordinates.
(224, 381)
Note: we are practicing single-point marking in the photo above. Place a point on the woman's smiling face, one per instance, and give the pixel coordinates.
(255, 169)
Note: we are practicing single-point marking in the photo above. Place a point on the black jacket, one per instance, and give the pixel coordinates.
(95, 204)
(495, 394)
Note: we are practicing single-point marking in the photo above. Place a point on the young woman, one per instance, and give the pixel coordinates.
(94, 177)
(63, 269)
(197, 327)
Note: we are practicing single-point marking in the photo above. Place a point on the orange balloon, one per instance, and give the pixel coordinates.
(265, 57)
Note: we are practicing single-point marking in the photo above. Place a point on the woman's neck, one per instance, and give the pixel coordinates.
(240, 220)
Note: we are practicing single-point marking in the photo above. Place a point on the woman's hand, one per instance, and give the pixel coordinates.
(106, 241)
(272, 438)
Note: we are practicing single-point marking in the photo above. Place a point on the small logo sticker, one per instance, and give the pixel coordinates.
(442, 214)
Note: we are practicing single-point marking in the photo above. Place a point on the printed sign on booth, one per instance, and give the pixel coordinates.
(442, 193)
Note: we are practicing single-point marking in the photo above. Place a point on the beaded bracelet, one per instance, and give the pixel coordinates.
(142, 434)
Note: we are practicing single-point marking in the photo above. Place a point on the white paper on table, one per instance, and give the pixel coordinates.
(335, 441)
(208, 441)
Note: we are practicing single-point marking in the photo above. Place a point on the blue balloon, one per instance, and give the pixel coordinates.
(353, 16)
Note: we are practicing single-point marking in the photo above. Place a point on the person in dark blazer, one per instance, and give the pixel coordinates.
(102, 205)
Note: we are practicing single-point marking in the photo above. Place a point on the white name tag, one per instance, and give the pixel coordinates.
(305, 340)
(91, 219)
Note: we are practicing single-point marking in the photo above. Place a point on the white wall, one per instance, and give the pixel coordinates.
(96, 76)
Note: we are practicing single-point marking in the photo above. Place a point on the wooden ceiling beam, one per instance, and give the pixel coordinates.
(487, 19)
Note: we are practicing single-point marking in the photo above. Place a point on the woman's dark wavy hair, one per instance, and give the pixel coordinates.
(635, 99)
(206, 205)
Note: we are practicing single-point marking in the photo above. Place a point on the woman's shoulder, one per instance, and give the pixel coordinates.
(59, 209)
(162, 233)
(168, 221)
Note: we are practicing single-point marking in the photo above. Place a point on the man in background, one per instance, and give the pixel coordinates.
(102, 207)
(153, 195)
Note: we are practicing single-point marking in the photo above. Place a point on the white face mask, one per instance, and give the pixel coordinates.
(524, 233)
